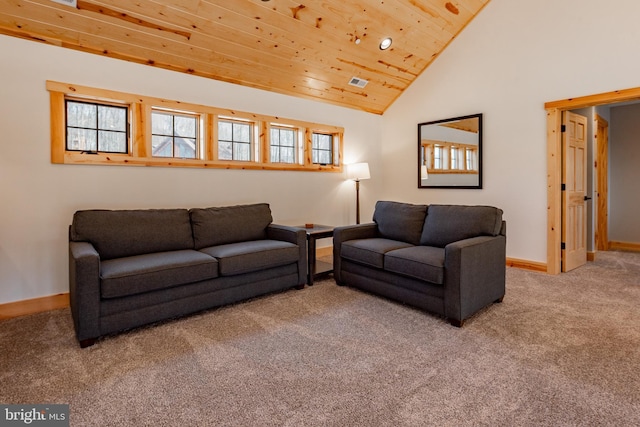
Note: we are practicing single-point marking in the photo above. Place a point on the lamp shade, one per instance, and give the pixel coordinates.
(358, 171)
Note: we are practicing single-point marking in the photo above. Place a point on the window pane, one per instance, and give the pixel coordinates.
(325, 142)
(275, 136)
(224, 150)
(81, 115)
(287, 155)
(161, 124)
(241, 152)
(322, 141)
(241, 132)
(161, 146)
(322, 149)
(275, 154)
(185, 148)
(113, 142)
(82, 139)
(185, 126)
(112, 118)
(324, 157)
(225, 131)
(287, 137)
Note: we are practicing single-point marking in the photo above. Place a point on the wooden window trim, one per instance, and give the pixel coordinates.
(140, 107)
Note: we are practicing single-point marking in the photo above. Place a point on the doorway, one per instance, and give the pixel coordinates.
(555, 110)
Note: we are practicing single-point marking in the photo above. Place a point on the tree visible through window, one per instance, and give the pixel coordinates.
(94, 127)
(234, 140)
(89, 125)
(174, 135)
(322, 149)
(283, 145)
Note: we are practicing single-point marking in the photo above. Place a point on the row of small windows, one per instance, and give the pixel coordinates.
(94, 127)
(450, 157)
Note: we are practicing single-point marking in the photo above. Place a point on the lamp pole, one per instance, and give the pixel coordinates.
(358, 172)
(357, 201)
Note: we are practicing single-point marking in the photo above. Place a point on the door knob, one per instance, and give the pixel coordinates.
(587, 198)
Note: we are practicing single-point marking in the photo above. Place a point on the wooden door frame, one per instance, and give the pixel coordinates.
(601, 168)
(554, 163)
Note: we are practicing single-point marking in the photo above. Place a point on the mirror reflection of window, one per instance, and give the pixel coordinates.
(450, 153)
(437, 157)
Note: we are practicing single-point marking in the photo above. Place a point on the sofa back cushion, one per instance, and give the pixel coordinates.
(400, 221)
(449, 223)
(122, 233)
(230, 224)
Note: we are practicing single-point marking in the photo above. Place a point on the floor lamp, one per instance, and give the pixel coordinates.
(357, 172)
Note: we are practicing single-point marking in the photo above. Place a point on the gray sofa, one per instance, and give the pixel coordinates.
(445, 259)
(133, 267)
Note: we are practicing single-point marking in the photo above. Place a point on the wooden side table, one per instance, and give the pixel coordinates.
(317, 268)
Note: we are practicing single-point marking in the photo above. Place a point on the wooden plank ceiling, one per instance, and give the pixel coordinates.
(305, 48)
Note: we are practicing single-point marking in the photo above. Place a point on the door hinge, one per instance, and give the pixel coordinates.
(563, 128)
(562, 246)
(563, 187)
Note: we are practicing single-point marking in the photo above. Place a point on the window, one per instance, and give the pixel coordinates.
(322, 149)
(234, 140)
(444, 157)
(470, 159)
(94, 127)
(283, 145)
(174, 135)
(438, 162)
(454, 158)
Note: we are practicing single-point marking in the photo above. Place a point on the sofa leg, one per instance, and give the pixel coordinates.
(298, 287)
(499, 300)
(457, 323)
(88, 342)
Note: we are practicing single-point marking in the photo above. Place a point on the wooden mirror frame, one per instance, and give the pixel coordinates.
(464, 134)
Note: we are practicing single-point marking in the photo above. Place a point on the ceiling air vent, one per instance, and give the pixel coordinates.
(358, 82)
(72, 3)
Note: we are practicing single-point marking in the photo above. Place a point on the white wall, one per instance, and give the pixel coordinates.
(624, 174)
(515, 56)
(37, 198)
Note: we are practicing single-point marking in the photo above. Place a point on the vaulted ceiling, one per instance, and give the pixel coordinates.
(305, 48)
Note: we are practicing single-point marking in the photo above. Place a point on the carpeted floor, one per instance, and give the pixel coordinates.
(559, 351)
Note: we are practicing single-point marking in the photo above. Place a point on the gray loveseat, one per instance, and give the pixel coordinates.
(445, 259)
(132, 267)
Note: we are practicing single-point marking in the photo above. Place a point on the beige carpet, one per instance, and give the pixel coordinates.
(560, 351)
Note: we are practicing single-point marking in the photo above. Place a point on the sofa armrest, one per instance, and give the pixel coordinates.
(349, 232)
(296, 236)
(84, 289)
(475, 272)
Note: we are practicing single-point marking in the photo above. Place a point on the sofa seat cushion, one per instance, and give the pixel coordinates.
(143, 273)
(254, 255)
(370, 251)
(420, 262)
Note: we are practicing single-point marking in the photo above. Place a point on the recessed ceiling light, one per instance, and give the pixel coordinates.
(385, 43)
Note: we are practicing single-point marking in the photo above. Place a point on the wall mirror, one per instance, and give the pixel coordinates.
(450, 153)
